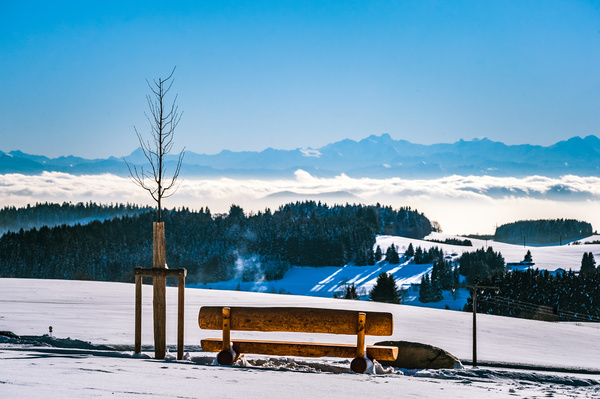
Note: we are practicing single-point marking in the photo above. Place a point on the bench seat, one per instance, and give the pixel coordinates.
(304, 349)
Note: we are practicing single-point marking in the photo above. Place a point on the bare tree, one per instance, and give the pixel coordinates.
(163, 120)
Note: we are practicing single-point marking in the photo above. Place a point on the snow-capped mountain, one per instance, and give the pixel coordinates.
(374, 156)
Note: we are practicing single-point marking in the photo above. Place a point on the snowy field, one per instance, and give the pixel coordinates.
(91, 351)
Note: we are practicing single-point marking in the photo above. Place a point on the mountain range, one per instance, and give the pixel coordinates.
(375, 157)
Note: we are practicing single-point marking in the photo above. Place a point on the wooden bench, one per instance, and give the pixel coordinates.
(305, 320)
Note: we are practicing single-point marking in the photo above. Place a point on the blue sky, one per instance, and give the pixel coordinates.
(288, 74)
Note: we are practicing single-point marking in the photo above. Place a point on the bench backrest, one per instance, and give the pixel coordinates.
(288, 319)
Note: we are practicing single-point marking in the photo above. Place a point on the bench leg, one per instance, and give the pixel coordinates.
(360, 363)
(227, 357)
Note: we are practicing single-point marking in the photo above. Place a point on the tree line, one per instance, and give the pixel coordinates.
(542, 231)
(51, 214)
(535, 293)
(211, 247)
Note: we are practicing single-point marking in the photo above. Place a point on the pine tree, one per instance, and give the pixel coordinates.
(455, 276)
(385, 289)
(442, 273)
(378, 254)
(350, 292)
(410, 251)
(588, 263)
(425, 289)
(370, 257)
(436, 292)
(391, 255)
(419, 255)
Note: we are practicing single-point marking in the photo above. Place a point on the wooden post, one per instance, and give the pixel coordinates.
(227, 355)
(162, 273)
(158, 247)
(180, 314)
(138, 314)
(360, 343)
(160, 288)
(474, 326)
(359, 364)
(226, 329)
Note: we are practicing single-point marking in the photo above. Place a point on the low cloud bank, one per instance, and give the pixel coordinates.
(461, 204)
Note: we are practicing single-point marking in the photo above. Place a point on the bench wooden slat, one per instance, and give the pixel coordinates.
(302, 349)
(289, 319)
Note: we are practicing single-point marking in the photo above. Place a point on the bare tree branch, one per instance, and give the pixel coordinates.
(162, 120)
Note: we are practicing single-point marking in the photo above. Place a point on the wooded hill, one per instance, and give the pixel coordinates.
(210, 246)
(50, 214)
(542, 232)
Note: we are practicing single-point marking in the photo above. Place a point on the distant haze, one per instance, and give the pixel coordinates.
(473, 204)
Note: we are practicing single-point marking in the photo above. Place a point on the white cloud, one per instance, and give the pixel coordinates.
(460, 203)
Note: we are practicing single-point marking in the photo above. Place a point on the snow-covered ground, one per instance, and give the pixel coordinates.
(552, 257)
(102, 314)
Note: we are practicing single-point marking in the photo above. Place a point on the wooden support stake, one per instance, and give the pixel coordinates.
(474, 295)
(138, 314)
(360, 342)
(159, 246)
(156, 274)
(160, 317)
(180, 315)
(160, 288)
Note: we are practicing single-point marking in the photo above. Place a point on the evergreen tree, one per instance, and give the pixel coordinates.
(410, 251)
(385, 289)
(436, 292)
(588, 263)
(481, 263)
(425, 289)
(455, 276)
(419, 255)
(441, 274)
(430, 290)
(378, 254)
(350, 292)
(391, 255)
(370, 257)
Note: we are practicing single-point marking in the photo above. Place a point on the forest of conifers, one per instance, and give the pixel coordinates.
(207, 245)
(50, 214)
(543, 232)
(534, 293)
